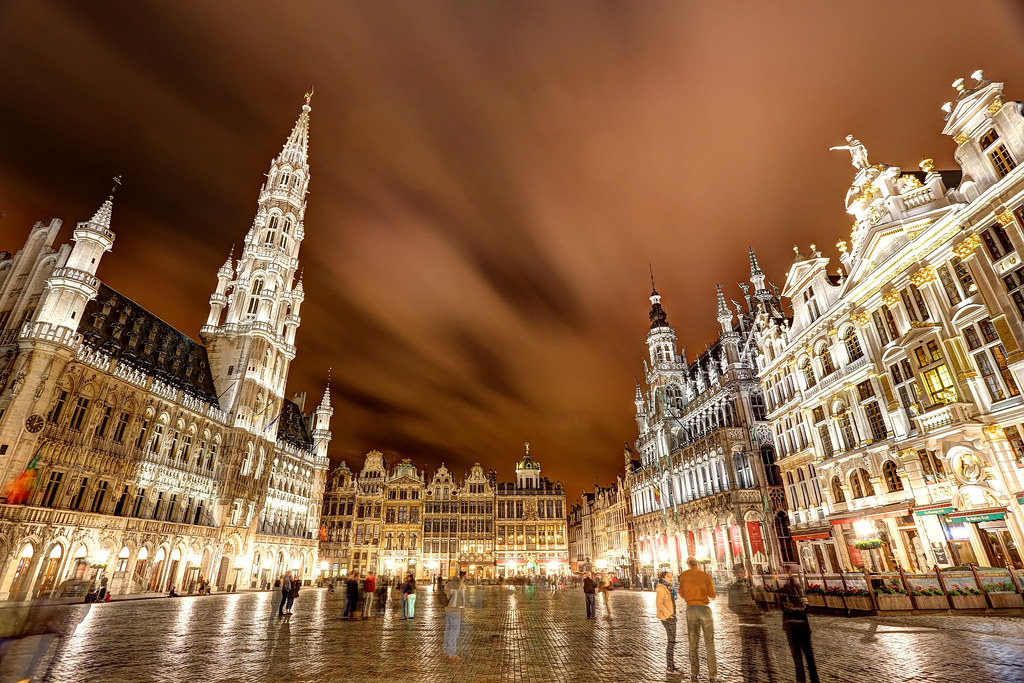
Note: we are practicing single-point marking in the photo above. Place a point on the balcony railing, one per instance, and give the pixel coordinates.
(939, 418)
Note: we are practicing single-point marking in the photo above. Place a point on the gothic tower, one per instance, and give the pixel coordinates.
(70, 288)
(254, 312)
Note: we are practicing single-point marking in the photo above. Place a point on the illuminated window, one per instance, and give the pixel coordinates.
(837, 491)
(852, 343)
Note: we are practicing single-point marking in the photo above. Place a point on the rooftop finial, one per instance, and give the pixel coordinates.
(651, 268)
(117, 184)
(309, 95)
(527, 444)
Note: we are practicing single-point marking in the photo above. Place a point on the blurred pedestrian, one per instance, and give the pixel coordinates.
(604, 587)
(369, 587)
(292, 594)
(589, 586)
(696, 588)
(455, 593)
(793, 603)
(286, 590)
(351, 596)
(409, 597)
(665, 604)
(753, 637)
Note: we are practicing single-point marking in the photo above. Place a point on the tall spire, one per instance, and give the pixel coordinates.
(297, 146)
(657, 315)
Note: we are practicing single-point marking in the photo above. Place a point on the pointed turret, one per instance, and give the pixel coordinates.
(322, 421)
(724, 315)
(70, 288)
(296, 148)
(657, 315)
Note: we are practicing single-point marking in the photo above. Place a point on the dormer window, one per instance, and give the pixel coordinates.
(813, 313)
(997, 153)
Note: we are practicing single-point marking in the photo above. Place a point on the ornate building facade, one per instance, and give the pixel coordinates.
(129, 450)
(895, 388)
(394, 521)
(703, 480)
(599, 538)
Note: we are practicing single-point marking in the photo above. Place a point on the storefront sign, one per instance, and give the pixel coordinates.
(982, 517)
(756, 539)
(737, 541)
(934, 511)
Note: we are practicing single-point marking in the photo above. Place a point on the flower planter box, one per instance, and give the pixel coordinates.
(1006, 600)
(859, 602)
(816, 600)
(835, 602)
(969, 602)
(931, 602)
(893, 602)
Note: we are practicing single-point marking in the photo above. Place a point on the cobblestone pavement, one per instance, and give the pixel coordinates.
(526, 635)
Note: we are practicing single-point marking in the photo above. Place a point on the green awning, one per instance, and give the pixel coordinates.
(968, 516)
(934, 511)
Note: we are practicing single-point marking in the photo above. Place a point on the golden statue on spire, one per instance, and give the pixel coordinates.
(309, 94)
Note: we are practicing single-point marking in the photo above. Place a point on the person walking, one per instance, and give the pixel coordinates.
(351, 596)
(589, 586)
(292, 594)
(369, 587)
(454, 593)
(409, 597)
(665, 604)
(753, 638)
(793, 603)
(696, 588)
(604, 587)
(286, 590)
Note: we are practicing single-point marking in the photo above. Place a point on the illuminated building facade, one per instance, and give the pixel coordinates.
(399, 522)
(132, 452)
(598, 530)
(702, 479)
(894, 390)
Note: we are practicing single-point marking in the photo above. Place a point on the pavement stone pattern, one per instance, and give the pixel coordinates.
(526, 635)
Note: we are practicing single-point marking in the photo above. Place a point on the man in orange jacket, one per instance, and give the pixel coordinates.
(696, 588)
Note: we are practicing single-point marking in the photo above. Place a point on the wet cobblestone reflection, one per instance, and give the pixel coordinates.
(507, 635)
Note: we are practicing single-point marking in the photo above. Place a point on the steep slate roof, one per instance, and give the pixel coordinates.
(291, 426)
(117, 326)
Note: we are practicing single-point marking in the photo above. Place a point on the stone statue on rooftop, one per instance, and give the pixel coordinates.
(858, 152)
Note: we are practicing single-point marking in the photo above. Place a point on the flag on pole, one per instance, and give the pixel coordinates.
(27, 481)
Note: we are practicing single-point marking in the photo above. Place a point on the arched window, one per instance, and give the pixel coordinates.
(852, 343)
(827, 365)
(254, 301)
(837, 491)
(286, 179)
(891, 476)
(855, 488)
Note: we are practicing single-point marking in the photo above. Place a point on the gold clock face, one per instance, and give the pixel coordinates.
(34, 423)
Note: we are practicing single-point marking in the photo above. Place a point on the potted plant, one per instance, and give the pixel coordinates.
(930, 598)
(834, 597)
(967, 597)
(815, 595)
(867, 543)
(1003, 595)
(892, 596)
(858, 599)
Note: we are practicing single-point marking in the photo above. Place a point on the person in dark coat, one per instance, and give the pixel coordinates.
(753, 636)
(793, 603)
(589, 592)
(286, 591)
(351, 596)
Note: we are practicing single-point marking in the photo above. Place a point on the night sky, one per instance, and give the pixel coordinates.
(489, 180)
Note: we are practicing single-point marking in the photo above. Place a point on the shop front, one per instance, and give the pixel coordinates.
(984, 538)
